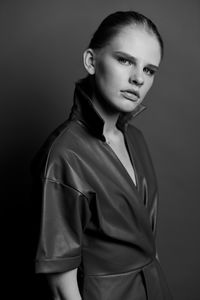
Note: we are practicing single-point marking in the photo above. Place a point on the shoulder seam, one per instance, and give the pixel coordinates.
(65, 185)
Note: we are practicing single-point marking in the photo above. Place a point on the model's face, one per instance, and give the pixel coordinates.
(125, 68)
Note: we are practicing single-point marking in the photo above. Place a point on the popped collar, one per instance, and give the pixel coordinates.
(83, 109)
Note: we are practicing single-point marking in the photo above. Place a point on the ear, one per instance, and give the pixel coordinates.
(89, 61)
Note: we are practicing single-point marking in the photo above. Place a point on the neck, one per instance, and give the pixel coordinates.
(110, 118)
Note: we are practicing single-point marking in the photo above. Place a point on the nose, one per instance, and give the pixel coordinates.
(136, 77)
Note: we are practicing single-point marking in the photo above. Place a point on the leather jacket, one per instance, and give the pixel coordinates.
(93, 217)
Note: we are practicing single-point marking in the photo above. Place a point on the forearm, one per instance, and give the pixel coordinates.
(64, 286)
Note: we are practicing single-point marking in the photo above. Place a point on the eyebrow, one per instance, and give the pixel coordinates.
(134, 59)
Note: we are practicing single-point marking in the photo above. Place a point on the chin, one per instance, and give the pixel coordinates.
(128, 108)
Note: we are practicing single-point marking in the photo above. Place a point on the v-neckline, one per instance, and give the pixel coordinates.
(134, 184)
(132, 160)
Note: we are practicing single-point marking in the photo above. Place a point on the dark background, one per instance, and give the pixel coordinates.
(40, 59)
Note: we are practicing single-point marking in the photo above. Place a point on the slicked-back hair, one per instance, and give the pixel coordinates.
(112, 24)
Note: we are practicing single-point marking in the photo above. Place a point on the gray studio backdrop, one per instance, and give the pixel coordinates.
(41, 58)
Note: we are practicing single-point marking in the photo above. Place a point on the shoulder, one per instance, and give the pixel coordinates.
(137, 139)
(55, 150)
(58, 160)
(135, 133)
(142, 154)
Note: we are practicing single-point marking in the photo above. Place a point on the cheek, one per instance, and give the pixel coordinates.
(149, 84)
(102, 69)
(146, 87)
(107, 72)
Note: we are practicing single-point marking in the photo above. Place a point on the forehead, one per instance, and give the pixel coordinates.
(138, 42)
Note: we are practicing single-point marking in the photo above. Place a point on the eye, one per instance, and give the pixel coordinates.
(149, 71)
(124, 61)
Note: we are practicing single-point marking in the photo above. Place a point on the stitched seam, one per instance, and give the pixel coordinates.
(56, 259)
(65, 185)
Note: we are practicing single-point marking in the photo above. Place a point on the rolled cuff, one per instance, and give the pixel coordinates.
(57, 265)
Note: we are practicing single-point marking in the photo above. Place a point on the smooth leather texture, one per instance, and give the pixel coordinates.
(93, 217)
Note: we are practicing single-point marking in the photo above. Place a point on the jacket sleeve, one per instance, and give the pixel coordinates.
(64, 215)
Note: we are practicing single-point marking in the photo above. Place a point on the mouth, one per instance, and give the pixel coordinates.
(131, 95)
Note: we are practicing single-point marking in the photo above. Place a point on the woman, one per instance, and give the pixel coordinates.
(97, 183)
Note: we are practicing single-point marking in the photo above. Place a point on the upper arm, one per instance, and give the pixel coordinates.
(64, 215)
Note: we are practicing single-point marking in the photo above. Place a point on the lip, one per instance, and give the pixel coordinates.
(131, 94)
